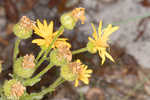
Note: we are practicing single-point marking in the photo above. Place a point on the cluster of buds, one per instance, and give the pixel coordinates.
(23, 29)
(24, 66)
(13, 89)
(68, 20)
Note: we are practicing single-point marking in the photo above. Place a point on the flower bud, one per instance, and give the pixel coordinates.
(13, 89)
(23, 29)
(91, 47)
(68, 21)
(67, 73)
(24, 66)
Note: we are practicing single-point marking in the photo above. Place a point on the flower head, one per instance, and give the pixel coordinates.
(61, 55)
(17, 90)
(23, 29)
(24, 66)
(64, 51)
(13, 89)
(46, 32)
(99, 41)
(78, 14)
(81, 71)
(26, 22)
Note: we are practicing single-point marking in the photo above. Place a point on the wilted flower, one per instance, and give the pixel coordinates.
(13, 89)
(23, 29)
(78, 14)
(17, 89)
(28, 61)
(26, 22)
(46, 32)
(68, 20)
(25, 66)
(99, 43)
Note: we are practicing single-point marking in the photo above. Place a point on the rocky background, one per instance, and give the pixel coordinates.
(127, 79)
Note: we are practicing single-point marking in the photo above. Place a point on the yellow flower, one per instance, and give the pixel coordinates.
(82, 72)
(99, 41)
(46, 32)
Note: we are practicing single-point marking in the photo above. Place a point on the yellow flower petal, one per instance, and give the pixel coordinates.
(39, 24)
(45, 24)
(85, 80)
(50, 27)
(94, 33)
(39, 42)
(102, 55)
(37, 31)
(76, 83)
(109, 31)
(109, 56)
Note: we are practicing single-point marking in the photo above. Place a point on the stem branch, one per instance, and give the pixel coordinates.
(16, 49)
(79, 51)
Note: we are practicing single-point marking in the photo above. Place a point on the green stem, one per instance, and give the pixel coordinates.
(55, 38)
(37, 77)
(44, 71)
(79, 51)
(52, 87)
(16, 49)
(39, 55)
(49, 48)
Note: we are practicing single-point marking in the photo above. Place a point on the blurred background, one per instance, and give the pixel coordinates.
(126, 79)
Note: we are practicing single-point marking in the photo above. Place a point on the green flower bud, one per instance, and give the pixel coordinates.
(21, 32)
(56, 59)
(67, 73)
(23, 29)
(68, 21)
(13, 89)
(21, 69)
(91, 47)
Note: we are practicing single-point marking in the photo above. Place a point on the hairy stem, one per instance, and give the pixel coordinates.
(16, 49)
(35, 79)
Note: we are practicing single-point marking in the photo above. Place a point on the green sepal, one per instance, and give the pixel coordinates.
(22, 32)
(91, 47)
(56, 60)
(7, 89)
(67, 73)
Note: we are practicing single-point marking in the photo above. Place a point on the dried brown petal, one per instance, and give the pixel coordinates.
(26, 22)
(17, 89)
(28, 61)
